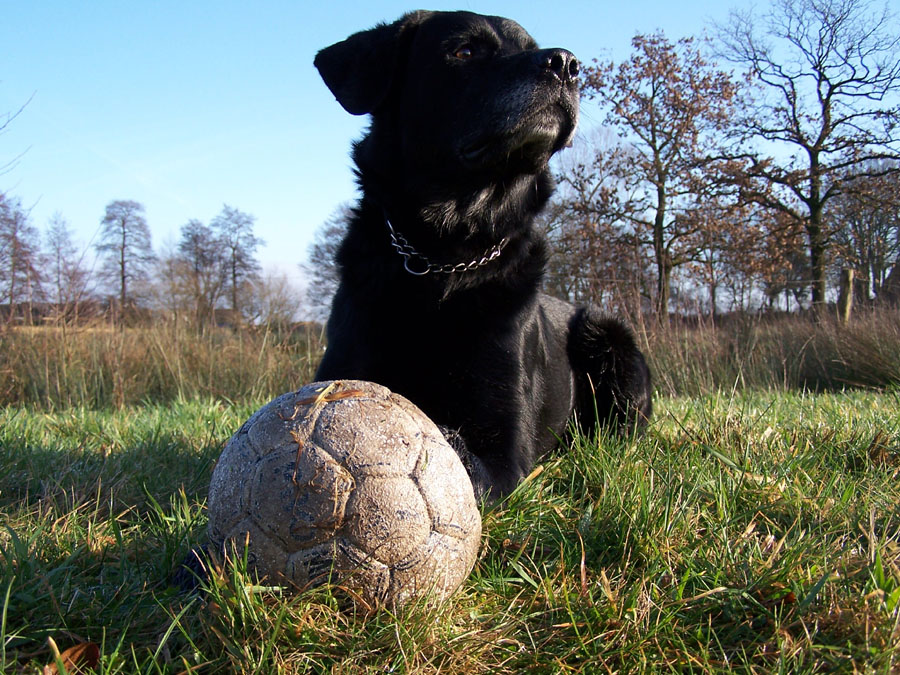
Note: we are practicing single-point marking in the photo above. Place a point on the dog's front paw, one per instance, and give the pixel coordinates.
(613, 376)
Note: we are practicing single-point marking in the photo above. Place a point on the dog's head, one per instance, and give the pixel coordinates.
(457, 93)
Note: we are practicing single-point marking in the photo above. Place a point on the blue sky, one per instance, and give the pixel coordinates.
(185, 106)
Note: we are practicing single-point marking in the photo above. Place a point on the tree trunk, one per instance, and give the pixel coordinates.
(817, 258)
(123, 278)
(814, 226)
(663, 262)
(862, 288)
(234, 292)
(663, 279)
(12, 286)
(845, 299)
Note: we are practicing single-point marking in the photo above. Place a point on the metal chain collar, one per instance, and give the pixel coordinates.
(408, 253)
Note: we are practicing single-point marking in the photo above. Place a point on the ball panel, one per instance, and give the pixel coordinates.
(360, 389)
(312, 566)
(361, 573)
(264, 554)
(229, 476)
(381, 441)
(424, 423)
(446, 488)
(437, 567)
(340, 561)
(299, 495)
(387, 518)
(286, 418)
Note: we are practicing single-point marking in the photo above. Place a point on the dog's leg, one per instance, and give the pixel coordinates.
(612, 377)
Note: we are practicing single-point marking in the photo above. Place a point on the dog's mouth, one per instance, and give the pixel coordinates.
(534, 141)
(527, 147)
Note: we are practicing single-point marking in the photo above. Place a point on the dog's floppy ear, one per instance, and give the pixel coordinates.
(359, 70)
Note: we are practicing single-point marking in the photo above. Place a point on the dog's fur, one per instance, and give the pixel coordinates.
(465, 112)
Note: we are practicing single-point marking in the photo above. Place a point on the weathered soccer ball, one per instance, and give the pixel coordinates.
(348, 482)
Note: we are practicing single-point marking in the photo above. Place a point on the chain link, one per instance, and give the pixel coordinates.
(409, 254)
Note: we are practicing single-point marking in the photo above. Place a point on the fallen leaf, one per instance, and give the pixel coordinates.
(81, 658)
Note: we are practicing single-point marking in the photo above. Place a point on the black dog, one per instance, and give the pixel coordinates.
(441, 266)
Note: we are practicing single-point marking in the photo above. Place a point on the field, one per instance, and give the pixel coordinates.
(750, 530)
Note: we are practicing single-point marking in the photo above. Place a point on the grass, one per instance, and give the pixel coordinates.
(778, 352)
(747, 532)
(56, 368)
(99, 366)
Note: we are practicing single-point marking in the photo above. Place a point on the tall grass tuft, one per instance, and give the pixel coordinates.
(104, 367)
(53, 368)
(783, 353)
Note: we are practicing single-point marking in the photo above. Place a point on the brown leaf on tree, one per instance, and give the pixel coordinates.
(653, 189)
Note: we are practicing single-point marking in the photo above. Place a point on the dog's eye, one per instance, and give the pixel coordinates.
(464, 52)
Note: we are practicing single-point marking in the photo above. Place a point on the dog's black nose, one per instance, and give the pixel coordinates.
(561, 62)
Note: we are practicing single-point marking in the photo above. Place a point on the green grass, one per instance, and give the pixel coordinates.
(753, 533)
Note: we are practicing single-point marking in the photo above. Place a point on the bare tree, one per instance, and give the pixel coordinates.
(568, 274)
(125, 248)
(321, 268)
(171, 288)
(784, 268)
(595, 257)
(730, 253)
(867, 231)
(274, 300)
(5, 121)
(68, 278)
(234, 228)
(828, 72)
(201, 267)
(19, 256)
